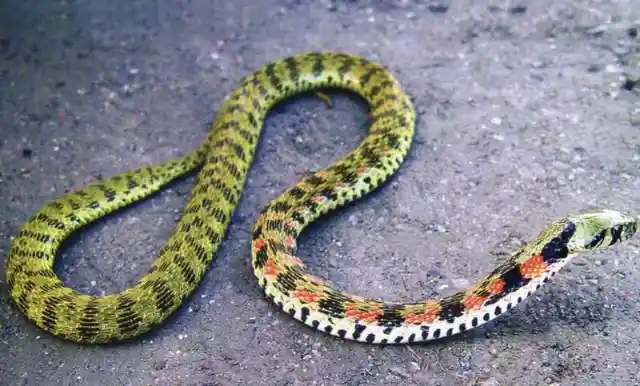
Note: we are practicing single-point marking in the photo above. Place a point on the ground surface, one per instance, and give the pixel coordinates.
(523, 118)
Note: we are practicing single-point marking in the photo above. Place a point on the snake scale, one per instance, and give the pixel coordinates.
(224, 158)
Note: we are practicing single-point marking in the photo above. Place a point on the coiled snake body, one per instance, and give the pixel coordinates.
(225, 157)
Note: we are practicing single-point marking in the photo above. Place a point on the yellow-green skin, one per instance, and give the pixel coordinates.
(225, 157)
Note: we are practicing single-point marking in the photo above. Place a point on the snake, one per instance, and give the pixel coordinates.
(223, 160)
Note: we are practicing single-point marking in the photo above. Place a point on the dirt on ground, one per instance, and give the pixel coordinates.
(527, 112)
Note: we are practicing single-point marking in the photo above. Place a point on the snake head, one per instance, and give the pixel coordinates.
(601, 229)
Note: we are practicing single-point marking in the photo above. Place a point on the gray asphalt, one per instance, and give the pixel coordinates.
(527, 113)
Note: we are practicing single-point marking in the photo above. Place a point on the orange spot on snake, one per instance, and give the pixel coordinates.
(496, 287)
(367, 313)
(473, 302)
(307, 296)
(428, 316)
(258, 244)
(289, 241)
(534, 267)
(270, 269)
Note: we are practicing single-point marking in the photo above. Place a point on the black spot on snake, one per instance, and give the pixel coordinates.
(358, 330)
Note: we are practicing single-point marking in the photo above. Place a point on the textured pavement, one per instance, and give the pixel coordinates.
(527, 113)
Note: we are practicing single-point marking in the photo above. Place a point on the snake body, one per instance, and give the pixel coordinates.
(225, 157)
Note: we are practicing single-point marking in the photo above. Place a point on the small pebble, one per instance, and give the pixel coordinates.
(159, 365)
(434, 273)
(438, 8)
(460, 283)
(612, 68)
(593, 68)
(518, 9)
(436, 228)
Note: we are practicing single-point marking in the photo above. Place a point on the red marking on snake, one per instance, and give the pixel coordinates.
(290, 241)
(307, 296)
(474, 302)
(496, 287)
(428, 316)
(534, 267)
(270, 269)
(258, 244)
(368, 316)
